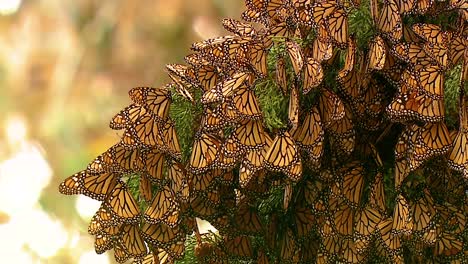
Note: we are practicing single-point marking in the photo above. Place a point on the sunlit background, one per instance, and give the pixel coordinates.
(65, 69)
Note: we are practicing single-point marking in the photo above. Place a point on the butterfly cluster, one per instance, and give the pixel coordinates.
(316, 188)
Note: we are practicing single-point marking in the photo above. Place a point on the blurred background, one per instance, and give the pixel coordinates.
(65, 69)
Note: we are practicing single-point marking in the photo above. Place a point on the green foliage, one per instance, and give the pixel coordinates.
(186, 117)
(273, 104)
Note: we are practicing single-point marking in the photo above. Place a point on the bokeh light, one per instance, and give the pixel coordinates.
(8, 7)
(65, 69)
(91, 257)
(86, 207)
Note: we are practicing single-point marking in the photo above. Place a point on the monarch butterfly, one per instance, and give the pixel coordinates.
(431, 80)
(438, 53)
(253, 162)
(353, 183)
(157, 100)
(120, 253)
(95, 186)
(411, 105)
(296, 56)
(249, 134)
(390, 240)
(221, 116)
(117, 159)
(247, 220)
(321, 11)
(239, 28)
(371, 105)
(332, 247)
(254, 16)
(423, 211)
(422, 6)
(343, 133)
(101, 220)
(178, 180)
(401, 172)
(122, 204)
(176, 249)
(322, 48)
(377, 53)
(313, 75)
(128, 116)
(448, 245)
(204, 153)
(366, 220)
(304, 220)
(180, 87)
(202, 182)
(343, 218)
(401, 216)
(390, 23)
(207, 76)
(457, 48)
(262, 258)
(281, 75)
(413, 53)
(180, 73)
(350, 251)
(171, 141)
(160, 234)
(432, 33)
(145, 188)
(435, 137)
(337, 27)
(330, 107)
(293, 110)
(103, 242)
(287, 195)
(282, 155)
(245, 103)
(392, 69)
(154, 165)
(377, 195)
(196, 60)
(406, 6)
(231, 148)
(258, 58)
(164, 208)
(310, 134)
(458, 155)
(303, 13)
(202, 207)
(275, 8)
(132, 241)
(239, 246)
(288, 245)
(146, 132)
(226, 88)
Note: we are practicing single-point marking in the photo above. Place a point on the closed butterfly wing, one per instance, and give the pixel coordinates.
(293, 110)
(204, 152)
(281, 75)
(458, 155)
(258, 58)
(282, 155)
(156, 99)
(390, 23)
(377, 53)
(296, 56)
(164, 208)
(122, 204)
(133, 241)
(313, 75)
